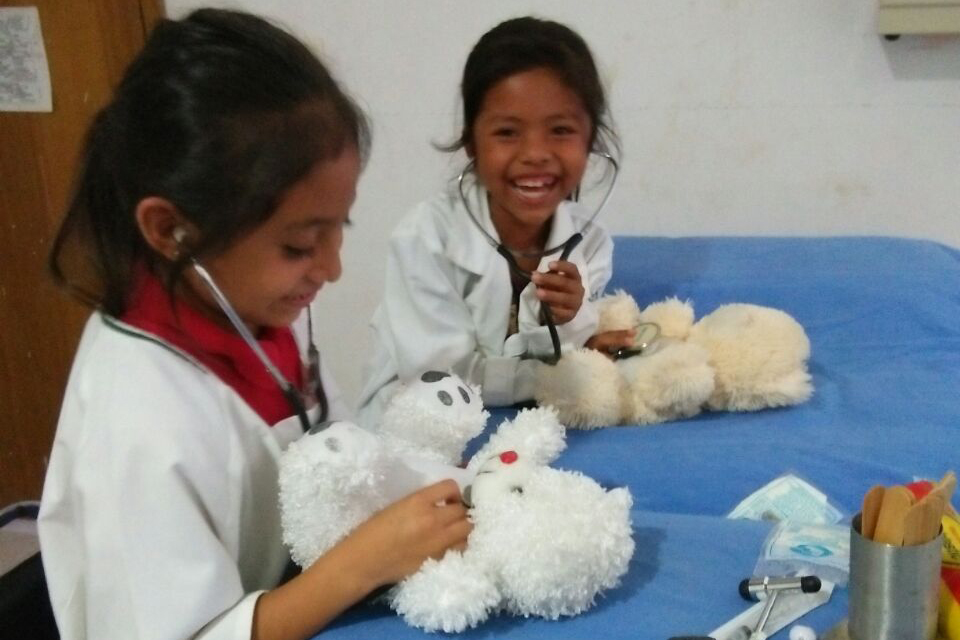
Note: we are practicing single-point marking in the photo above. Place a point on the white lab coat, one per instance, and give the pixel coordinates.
(447, 301)
(159, 516)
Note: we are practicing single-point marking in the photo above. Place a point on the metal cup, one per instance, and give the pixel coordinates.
(894, 591)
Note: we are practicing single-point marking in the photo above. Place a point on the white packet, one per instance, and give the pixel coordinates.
(788, 498)
(793, 549)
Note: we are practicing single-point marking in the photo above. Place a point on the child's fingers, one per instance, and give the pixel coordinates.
(443, 492)
(563, 306)
(445, 496)
(457, 533)
(562, 313)
(451, 513)
(566, 267)
(609, 340)
(454, 528)
(557, 282)
(570, 274)
(455, 537)
(560, 299)
(623, 338)
(560, 289)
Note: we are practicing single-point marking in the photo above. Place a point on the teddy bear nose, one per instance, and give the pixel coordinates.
(508, 457)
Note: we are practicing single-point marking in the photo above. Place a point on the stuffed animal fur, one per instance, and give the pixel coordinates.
(741, 357)
(545, 541)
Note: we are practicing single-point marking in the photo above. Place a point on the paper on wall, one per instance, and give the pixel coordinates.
(24, 74)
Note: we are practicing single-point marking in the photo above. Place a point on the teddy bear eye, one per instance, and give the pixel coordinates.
(333, 444)
(445, 398)
(464, 394)
(517, 489)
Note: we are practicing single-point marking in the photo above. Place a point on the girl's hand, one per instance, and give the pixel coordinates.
(608, 342)
(383, 550)
(423, 525)
(560, 289)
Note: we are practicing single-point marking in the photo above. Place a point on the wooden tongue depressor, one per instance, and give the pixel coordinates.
(871, 511)
(922, 521)
(915, 522)
(945, 487)
(896, 502)
(932, 518)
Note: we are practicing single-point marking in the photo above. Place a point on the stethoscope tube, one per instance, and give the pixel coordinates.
(568, 248)
(289, 391)
(565, 249)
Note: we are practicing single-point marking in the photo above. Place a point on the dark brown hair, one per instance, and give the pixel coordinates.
(220, 113)
(522, 44)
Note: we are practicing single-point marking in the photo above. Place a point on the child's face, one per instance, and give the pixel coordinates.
(273, 273)
(530, 143)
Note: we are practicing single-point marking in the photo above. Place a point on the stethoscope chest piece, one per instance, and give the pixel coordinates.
(647, 335)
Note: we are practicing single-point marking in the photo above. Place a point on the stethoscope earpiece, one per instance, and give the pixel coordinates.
(179, 234)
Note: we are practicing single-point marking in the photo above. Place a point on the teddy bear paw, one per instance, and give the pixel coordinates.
(448, 595)
(584, 387)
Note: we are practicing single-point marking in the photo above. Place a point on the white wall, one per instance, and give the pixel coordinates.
(750, 117)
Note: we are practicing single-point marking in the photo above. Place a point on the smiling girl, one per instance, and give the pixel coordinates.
(227, 144)
(534, 111)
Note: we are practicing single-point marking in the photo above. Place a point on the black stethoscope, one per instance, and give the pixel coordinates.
(290, 392)
(565, 249)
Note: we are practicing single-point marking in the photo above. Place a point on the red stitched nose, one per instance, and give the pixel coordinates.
(508, 457)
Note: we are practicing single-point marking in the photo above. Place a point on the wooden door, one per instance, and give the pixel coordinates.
(88, 45)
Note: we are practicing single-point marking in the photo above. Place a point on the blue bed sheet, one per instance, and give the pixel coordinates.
(883, 317)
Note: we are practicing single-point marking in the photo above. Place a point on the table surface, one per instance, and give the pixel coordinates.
(883, 317)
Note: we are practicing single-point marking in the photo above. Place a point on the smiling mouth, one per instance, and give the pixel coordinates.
(534, 187)
(301, 299)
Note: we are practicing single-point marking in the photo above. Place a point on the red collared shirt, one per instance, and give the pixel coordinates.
(221, 349)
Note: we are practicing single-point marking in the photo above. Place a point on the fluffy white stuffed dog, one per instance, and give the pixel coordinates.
(741, 357)
(545, 542)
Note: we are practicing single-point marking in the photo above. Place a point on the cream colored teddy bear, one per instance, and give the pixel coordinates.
(741, 357)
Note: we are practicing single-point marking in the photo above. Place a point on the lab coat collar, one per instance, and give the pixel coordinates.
(471, 250)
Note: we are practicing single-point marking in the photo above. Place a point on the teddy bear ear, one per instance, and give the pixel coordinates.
(673, 315)
(535, 434)
(617, 311)
(621, 498)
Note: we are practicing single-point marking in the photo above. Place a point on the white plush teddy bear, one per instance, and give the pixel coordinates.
(741, 357)
(545, 541)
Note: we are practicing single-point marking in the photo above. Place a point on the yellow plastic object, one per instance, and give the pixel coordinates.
(948, 626)
(949, 623)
